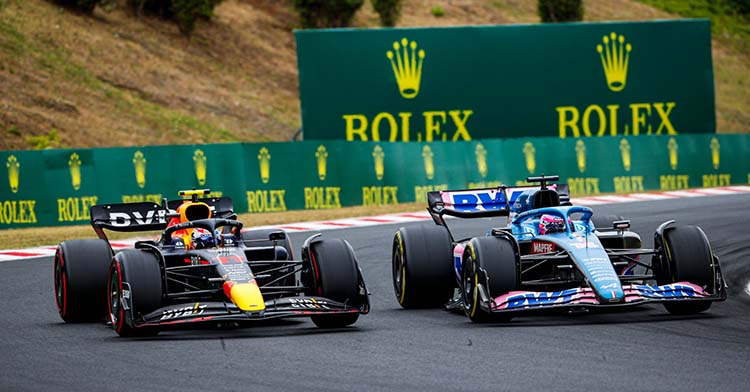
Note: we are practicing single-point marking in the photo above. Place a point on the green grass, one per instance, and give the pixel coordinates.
(11, 41)
(727, 24)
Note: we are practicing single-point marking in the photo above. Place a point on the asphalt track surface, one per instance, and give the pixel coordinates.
(393, 349)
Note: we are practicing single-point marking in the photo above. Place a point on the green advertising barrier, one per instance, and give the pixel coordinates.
(57, 187)
(479, 82)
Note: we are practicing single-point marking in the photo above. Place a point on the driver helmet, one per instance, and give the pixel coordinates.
(549, 224)
(202, 239)
(189, 211)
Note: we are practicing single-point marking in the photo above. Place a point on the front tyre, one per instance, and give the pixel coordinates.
(336, 278)
(686, 257)
(80, 279)
(490, 268)
(135, 289)
(422, 266)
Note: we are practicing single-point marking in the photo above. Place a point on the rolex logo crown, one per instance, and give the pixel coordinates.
(74, 163)
(614, 53)
(406, 62)
(481, 154)
(321, 155)
(264, 161)
(139, 163)
(379, 156)
(13, 172)
(429, 163)
(199, 161)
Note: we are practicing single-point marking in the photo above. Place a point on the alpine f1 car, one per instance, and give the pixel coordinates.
(550, 255)
(202, 268)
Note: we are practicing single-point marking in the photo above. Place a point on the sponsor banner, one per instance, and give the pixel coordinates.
(566, 80)
(58, 187)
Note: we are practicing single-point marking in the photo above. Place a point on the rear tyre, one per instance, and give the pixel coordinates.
(493, 263)
(135, 280)
(337, 278)
(422, 266)
(686, 257)
(81, 279)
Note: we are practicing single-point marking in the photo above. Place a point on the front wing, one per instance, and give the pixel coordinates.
(226, 311)
(585, 297)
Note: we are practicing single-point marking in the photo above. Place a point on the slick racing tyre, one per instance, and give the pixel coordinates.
(686, 257)
(135, 282)
(335, 267)
(422, 266)
(81, 279)
(492, 263)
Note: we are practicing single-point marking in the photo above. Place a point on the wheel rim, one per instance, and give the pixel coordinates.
(115, 307)
(60, 289)
(399, 271)
(468, 276)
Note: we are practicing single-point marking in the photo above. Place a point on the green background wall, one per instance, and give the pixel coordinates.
(480, 82)
(56, 187)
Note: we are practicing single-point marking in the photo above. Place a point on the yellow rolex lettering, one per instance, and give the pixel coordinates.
(627, 184)
(27, 214)
(10, 211)
(583, 186)
(376, 126)
(358, 127)
(638, 118)
(17, 211)
(673, 182)
(714, 180)
(664, 117)
(75, 209)
(351, 130)
(587, 117)
(566, 122)
(277, 200)
(431, 126)
(317, 198)
(612, 119)
(405, 120)
(252, 202)
(379, 195)
(266, 200)
(460, 122)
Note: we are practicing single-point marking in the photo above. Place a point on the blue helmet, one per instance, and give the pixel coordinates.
(203, 240)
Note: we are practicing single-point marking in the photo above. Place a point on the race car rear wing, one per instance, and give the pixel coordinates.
(148, 216)
(484, 202)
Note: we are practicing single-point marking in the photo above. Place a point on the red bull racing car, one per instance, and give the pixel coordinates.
(551, 255)
(203, 268)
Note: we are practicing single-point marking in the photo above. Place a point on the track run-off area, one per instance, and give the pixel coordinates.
(643, 348)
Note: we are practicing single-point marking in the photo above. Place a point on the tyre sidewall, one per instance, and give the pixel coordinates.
(80, 274)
